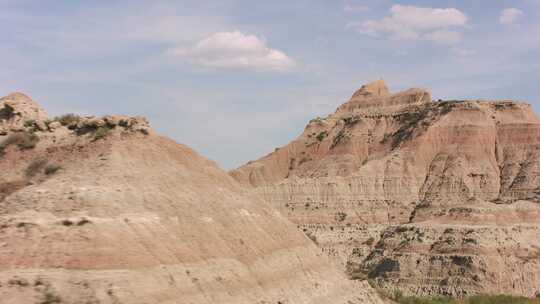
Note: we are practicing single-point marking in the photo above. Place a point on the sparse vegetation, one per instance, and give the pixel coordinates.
(52, 169)
(321, 136)
(352, 120)
(35, 166)
(23, 140)
(317, 120)
(446, 106)
(50, 298)
(501, 299)
(341, 216)
(397, 296)
(67, 119)
(30, 124)
(409, 121)
(434, 300)
(101, 133)
(340, 137)
(479, 299)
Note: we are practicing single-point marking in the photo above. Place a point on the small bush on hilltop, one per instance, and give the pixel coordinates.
(67, 119)
(101, 133)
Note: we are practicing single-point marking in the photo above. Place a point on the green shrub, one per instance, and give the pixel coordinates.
(500, 299)
(478, 299)
(101, 133)
(321, 136)
(30, 124)
(68, 119)
(434, 300)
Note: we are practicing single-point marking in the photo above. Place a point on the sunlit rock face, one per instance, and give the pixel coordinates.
(102, 210)
(379, 184)
(16, 109)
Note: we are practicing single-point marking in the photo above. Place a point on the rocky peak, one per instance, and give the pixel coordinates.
(375, 98)
(17, 108)
(430, 198)
(376, 88)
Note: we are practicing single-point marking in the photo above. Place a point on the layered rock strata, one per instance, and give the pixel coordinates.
(102, 210)
(357, 182)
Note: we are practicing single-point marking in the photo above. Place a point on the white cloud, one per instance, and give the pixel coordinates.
(509, 15)
(236, 50)
(412, 23)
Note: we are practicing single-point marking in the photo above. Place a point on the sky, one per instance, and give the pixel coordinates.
(236, 79)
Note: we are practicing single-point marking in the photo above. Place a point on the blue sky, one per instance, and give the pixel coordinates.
(235, 79)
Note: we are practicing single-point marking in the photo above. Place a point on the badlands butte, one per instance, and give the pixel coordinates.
(427, 197)
(103, 210)
(391, 192)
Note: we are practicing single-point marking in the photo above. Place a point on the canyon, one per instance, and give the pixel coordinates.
(432, 198)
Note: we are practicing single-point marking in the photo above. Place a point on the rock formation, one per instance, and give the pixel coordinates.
(102, 210)
(15, 110)
(432, 198)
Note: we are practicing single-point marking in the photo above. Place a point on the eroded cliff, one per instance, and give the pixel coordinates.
(433, 198)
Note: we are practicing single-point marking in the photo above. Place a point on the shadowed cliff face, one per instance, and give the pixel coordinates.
(102, 210)
(462, 175)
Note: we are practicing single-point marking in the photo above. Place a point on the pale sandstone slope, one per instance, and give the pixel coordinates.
(463, 176)
(132, 217)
